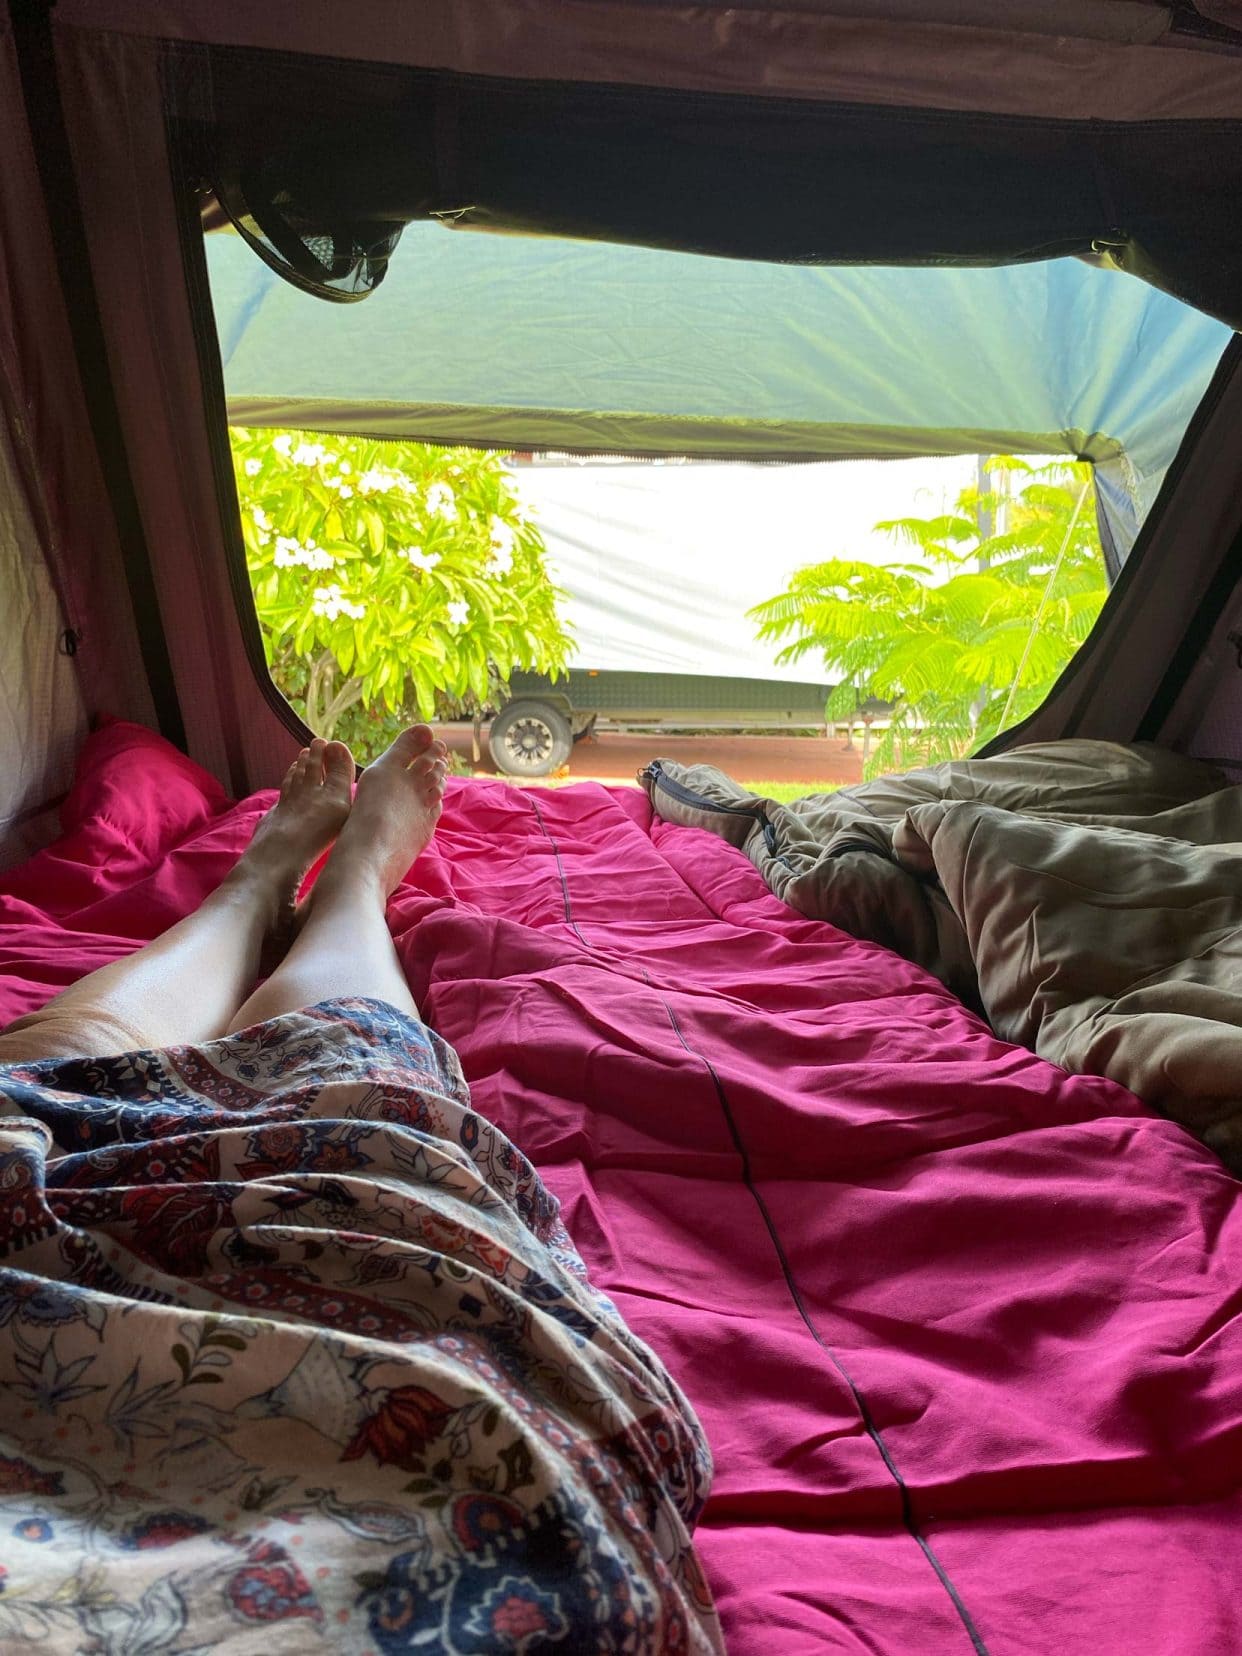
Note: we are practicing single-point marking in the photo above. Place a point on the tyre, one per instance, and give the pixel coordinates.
(530, 738)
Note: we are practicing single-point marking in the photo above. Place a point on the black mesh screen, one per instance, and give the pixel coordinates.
(320, 163)
(342, 261)
(315, 162)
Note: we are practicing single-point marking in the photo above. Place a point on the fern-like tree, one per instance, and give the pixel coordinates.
(391, 579)
(968, 636)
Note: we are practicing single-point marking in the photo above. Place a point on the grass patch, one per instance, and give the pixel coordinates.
(783, 792)
(786, 792)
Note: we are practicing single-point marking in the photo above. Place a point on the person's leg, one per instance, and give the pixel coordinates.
(186, 985)
(345, 948)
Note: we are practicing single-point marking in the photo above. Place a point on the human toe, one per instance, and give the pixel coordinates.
(338, 765)
(412, 743)
(428, 764)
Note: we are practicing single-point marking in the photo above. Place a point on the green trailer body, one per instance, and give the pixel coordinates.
(533, 732)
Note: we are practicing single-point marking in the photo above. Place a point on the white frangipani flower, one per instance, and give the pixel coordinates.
(283, 444)
(442, 502)
(426, 561)
(330, 602)
(260, 517)
(502, 542)
(459, 612)
(309, 454)
(253, 467)
(316, 558)
(290, 553)
(501, 535)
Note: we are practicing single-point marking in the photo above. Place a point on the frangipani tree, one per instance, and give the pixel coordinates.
(970, 635)
(391, 579)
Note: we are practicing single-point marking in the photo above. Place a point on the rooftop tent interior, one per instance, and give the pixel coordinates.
(811, 138)
(782, 145)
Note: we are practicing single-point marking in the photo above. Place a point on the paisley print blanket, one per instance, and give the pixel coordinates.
(297, 1354)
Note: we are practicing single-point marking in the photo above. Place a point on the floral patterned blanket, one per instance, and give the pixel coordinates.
(297, 1354)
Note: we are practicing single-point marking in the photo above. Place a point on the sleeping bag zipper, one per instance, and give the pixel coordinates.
(658, 777)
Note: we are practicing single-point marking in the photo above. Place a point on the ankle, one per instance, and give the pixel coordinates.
(350, 880)
(250, 890)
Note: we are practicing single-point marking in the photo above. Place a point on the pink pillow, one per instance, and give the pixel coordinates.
(134, 797)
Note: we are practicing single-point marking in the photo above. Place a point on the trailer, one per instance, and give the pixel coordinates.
(533, 732)
(658, 564)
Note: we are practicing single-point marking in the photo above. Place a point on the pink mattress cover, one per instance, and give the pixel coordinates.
(964, 1331)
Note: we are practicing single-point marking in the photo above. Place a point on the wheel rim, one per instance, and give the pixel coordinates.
(528, 742)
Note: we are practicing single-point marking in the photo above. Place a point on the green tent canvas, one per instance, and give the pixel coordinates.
(545, 344)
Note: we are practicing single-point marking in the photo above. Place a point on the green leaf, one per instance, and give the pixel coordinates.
(424, 693)
(376, 532)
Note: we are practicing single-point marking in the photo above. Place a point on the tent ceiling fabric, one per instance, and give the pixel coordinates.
(1046, 58)
(1128, 21)
(528, 343)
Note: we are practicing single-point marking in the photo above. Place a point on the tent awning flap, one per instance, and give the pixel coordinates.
(530, 343)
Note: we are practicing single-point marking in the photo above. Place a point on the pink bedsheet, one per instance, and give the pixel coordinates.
(963, 1330)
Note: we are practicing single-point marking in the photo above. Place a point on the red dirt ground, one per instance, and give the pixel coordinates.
(613, 757)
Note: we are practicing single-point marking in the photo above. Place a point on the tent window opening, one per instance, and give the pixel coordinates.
(396, 579)
(622, 484)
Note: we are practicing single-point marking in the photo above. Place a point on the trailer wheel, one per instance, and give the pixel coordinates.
(530, 738)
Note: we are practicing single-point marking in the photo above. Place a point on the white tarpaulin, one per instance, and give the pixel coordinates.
(662, 561)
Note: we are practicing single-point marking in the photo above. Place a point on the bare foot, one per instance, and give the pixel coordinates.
(398, 802)
(311, 811)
